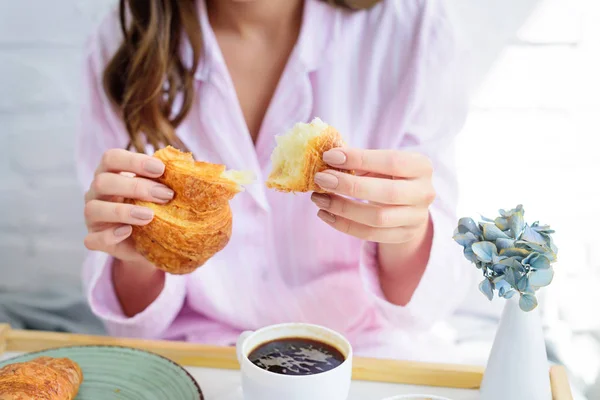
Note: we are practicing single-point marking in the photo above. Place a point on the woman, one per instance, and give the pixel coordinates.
(221, 79)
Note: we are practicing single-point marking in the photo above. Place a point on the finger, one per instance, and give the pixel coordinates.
(387, 191)
(107, 185)
(371, 214)
(367, 233)
(120, 160)
(123, 250)
(99, 212)
(396, 163)
(107, 239)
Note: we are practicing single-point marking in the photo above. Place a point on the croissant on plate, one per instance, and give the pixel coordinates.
(299, 156)
(43, 378)
(196, 224)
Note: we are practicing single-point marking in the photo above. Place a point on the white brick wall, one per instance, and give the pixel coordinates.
(41, 224)
(532, 137)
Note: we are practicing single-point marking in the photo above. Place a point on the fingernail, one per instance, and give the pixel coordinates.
(321, 200)
(154, 166)
(327, 217)
(334, 157)
(326, 181)
(142, 213)
(123, 230)
(162, 193)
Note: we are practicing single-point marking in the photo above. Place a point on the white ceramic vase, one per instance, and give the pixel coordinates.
(518, 367)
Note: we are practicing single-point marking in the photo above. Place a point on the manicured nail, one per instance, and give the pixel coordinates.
(334, 157)
(123, 230)
(321, 200)
(162, 192)
(326, 181)
(154, 166)
(327, 217)
(142, 213)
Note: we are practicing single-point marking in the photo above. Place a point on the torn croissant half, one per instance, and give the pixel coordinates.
(41, 378)
(196, 224)
(298, 156)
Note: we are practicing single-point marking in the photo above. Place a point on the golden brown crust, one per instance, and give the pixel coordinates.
(313, 163)
(196, 224)
(180, 247)
(43, 378)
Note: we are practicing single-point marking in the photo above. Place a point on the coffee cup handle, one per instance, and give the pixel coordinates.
(240, 344)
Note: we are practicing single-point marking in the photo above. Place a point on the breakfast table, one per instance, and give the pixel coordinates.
(216, 369)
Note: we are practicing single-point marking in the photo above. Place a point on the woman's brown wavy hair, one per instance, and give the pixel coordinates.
(146, 74)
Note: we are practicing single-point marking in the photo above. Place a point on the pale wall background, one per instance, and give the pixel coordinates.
(530, 138)
(41, 206)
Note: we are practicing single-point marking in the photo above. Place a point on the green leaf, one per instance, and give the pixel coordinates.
(501, 223)
(543, 229)
(531, 236)
(499, 268)
(469, 255)
(514, 252)
(503, 288)
(511, 277)
(465, 239)
(532, 246)
(503, 243)
(523, 283)
(554, 250)
(537, 261)
(541, 277)
(506, 214)
(541, 262)
(491, 232)
(516, 223)
(512, 262)
(528, 302)
(496, 258)
(487, 288)
(484, 251)
(468, 225)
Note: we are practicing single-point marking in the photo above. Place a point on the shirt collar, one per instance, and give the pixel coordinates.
(320, 28)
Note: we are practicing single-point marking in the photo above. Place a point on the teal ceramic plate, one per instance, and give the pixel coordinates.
(112, 372)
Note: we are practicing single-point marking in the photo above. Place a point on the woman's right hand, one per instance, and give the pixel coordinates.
(122, 174)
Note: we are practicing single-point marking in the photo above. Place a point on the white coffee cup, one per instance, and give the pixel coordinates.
(260, 384)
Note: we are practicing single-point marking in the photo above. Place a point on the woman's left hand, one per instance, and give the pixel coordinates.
(396, 185)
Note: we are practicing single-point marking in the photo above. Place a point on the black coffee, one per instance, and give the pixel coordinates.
(296, 356)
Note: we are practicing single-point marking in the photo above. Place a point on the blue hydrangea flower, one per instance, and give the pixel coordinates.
(513, 256)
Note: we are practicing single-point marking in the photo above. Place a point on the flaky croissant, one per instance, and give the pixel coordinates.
(196, 224)
(43, 378)
(299, 156)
